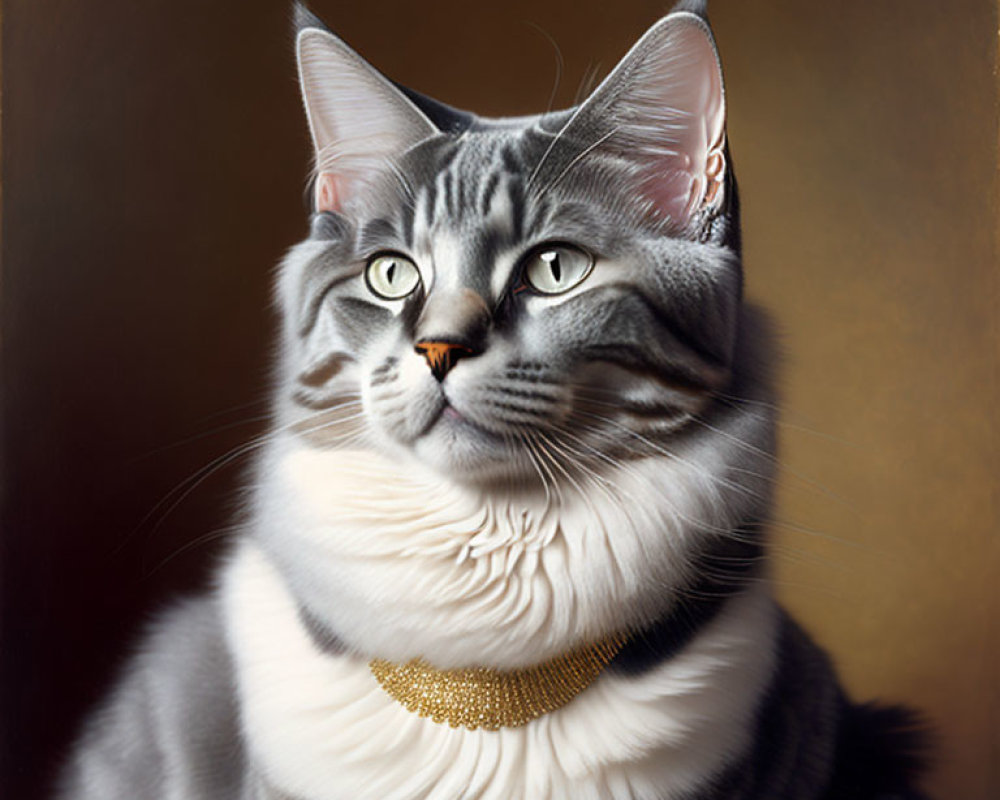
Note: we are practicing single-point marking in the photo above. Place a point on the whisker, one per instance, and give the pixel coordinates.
(713, 479)
(552, 449)
(775, 523)
(587, 83)
(560, 63)
(198, 437)
(809, 482)
(596, 477)
(777, 462)
(219, 533)
(532, 443)
(579, 157)
(182, 490)
(697, 524)
(522, 438)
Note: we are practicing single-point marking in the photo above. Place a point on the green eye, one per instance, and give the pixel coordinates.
(391, 276)
(556, 268)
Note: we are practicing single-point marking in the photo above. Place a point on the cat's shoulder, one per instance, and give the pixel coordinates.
(189, 632)
(172, 716)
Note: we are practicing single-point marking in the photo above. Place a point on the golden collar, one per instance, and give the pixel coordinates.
(480, 697)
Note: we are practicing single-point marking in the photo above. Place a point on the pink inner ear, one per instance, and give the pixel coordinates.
(327, 193)
(674, 192)
(676, 99)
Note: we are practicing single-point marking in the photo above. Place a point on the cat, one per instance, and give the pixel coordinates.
(507, 537)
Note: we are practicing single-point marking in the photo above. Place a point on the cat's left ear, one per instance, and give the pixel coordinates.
(663, 110)
(359, 120)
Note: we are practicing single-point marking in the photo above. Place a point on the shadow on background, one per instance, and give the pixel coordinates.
(153, 166)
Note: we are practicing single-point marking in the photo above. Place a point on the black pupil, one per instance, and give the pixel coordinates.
(552, 259)
(390, 271)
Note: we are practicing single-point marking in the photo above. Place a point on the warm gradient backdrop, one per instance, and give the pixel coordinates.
(153, 163)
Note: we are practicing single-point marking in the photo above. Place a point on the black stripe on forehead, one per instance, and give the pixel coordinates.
(489, 190)
(465, 177)
(407, 221)
(452, 180)
(378, 234)
(534, 143)
(517, 207)
(422, 167)
(442, 197)
(511, 160)
(463, 185)
(429, 204)
(460, 184)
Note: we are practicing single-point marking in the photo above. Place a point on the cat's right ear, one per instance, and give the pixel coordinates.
(359, 121)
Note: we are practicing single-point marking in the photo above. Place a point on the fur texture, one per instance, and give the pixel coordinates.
(520, 405)
(319, 725)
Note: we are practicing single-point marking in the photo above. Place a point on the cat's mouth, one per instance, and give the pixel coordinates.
(457, 444)
(452, 417)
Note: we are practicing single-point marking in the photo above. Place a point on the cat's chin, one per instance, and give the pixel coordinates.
(467, 453)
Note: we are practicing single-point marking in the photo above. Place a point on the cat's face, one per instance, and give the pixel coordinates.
(500, 430)
(514, 301)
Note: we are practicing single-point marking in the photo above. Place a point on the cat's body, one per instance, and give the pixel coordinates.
(521, 408)
(730, 717)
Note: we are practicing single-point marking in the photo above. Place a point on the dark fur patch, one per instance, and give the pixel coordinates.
(881, 752)
(724, 571)
(811, 743)
(445, 118)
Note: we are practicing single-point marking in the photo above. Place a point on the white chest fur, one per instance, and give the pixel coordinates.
(402, 564)
(319, 727)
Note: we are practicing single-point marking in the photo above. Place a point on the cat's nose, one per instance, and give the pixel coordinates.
(452, 325)
(441, 356)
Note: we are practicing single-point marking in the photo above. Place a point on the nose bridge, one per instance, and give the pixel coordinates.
(458, 316)
(453, 324)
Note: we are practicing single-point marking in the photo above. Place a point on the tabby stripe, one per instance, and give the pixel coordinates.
(532, 412)
(430, 204)
(387, 365)
(527, 394)
(516, 191)
(318, 293)
(489, 190)
(375, 233)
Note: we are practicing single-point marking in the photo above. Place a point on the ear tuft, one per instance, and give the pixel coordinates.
(697, 7)
(303, 18)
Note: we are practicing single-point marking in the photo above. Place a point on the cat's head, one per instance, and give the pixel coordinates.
(502, 299)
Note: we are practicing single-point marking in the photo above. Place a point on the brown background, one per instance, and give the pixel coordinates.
(153, 163)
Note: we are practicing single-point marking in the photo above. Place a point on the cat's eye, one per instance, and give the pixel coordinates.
(556, 268)
(391, 276)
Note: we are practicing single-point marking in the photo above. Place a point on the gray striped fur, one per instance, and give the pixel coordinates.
(653, 355)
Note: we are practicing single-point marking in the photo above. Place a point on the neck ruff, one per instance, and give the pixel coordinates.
(480, 697)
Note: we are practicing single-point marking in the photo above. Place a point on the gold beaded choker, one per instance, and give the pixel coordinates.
(480, 697)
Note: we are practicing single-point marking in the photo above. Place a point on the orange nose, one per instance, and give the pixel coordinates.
(441, 356)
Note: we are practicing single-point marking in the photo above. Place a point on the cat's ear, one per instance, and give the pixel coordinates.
(359, 121)
(663, 110)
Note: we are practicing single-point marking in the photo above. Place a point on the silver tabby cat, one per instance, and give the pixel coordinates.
(520, 408)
